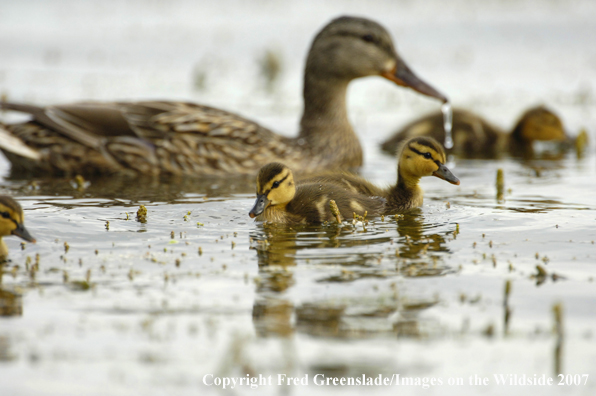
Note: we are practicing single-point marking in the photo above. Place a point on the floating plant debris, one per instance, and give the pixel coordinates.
(500, 185)
(142, 214)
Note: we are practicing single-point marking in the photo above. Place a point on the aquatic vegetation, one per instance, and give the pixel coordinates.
(142, 214)
(500, 185)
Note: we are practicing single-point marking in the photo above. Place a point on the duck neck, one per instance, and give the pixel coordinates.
(325, 127)
(406, 193)
(274, 214)
(407, 182)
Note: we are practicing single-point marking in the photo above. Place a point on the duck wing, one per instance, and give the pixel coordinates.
(157, 136)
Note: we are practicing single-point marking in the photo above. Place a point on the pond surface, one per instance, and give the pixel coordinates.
(103, 303)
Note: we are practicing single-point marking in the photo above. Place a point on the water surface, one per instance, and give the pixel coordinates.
(201, 289)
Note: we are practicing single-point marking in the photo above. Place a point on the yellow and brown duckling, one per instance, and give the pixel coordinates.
(161, 137)
(418, 157)
(475, 137)
(281, 200)
(11, 223)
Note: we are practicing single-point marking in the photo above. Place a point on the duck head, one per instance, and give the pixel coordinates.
(423, 156)
(539, 123)
(12, 219)
(351, 47)
(275, 186)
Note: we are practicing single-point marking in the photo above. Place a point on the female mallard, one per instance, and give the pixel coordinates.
(189, 139)
(475, 137)
(418, 157)
(280, 200)
(11, 223)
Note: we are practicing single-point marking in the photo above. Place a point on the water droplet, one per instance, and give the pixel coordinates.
(447, 124)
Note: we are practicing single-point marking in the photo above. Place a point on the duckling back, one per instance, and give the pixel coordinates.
(347, 180)
(311, 203)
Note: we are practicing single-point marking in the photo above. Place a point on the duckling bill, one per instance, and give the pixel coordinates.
(11, 223)
(281, 200)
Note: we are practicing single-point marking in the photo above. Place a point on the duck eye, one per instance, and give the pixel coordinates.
(427, 156)
(275, 184)
(5, 215)
(368, 38)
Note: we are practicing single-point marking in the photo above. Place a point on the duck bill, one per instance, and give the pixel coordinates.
(22, 232)
(402, 75)
(260, 205)
(444, 173)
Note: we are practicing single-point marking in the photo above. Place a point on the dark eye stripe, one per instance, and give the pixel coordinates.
(277, 183)
(423, 154)
(418, 152)
(368, 38)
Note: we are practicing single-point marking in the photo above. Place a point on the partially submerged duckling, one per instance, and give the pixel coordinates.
(281, 200)
(418, 157)
(11, 223)
(475, 137)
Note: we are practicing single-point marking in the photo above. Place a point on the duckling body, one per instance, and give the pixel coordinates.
(417, 158)
(11, 223)
(158, 137)
(477, 138)
(281, 200)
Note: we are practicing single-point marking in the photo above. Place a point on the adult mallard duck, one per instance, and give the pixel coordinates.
(281, 200)
(11, 223)
(190, 139)
(418, 157)
(475, 137)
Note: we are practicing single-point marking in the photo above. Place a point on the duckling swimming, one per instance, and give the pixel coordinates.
(475, 137)
(165, 137)
(419, 157)
(281, 200)
(11, 223)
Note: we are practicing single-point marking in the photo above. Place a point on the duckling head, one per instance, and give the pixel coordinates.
(275, 186)
(539, 123)
(423, 156)
(351, 47)
(12, 219)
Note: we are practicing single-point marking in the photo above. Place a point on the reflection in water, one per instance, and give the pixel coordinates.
(272, 316)
(319, 319)
(142, 188)
(11, 303)
(280, 248)
(420, 247)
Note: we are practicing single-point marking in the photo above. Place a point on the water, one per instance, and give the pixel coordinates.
(447, 124)
(423, 295)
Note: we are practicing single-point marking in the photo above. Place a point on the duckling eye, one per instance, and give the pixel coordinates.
(427, 156)
(368, 38)
(6, 215)
(275, 184)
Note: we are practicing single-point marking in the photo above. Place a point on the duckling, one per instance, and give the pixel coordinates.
(281, 200)
(11, 223)
(475, 137)
(159, 137)
(419, 157)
